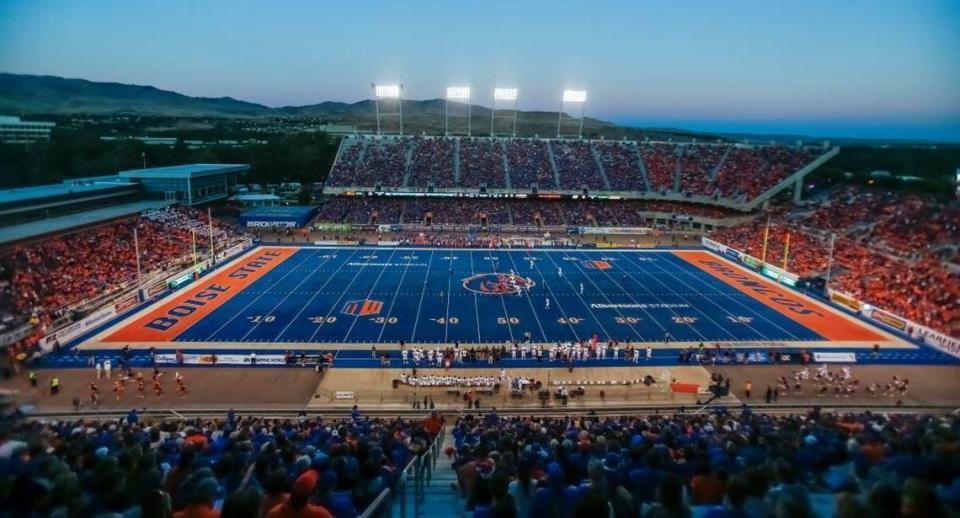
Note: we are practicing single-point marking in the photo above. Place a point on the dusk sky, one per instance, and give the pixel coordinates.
(875, 68)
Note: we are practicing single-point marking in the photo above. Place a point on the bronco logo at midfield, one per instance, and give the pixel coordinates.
(497, 283)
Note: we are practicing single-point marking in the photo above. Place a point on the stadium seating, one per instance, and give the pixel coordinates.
(621, 163)
(529, 164)
(749, 464)
(432, 162)
(887, 251)
(466, 211)
(576, 165)
(482, 163)
(721, 171)
(383, 162)
(661, 163)
(44, 278)
(128, 468)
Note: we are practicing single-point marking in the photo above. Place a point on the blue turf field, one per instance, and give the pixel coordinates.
(368, 295)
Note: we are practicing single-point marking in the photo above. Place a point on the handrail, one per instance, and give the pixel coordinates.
(376, 504)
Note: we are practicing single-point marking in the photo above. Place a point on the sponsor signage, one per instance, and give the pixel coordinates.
(888, 319)
(221, 359)
(127, 302)
(344, 394)
(156, 289)
(271, 224)
(180, 281)
(833, 357)
(846, 301)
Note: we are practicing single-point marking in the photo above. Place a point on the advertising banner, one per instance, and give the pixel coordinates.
(845, 300)
(832, 357)
(126, 303)
(889, 319)
(221, 359)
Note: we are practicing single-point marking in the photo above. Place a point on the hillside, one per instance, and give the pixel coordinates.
(28, 94)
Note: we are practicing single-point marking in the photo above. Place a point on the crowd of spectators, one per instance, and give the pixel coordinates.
(576, 165)
(719, 465)
(432, 163)
(748, 172)
(383, 162)
(236, 467)
(344, 169)
(697, 164)
(886, 250)
(621, 163)
(529, 164)
(717, 170)
(40, 280)
(482, 163)
(501, 211)
(661, 163)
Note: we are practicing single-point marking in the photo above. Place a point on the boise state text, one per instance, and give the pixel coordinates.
(209, 293)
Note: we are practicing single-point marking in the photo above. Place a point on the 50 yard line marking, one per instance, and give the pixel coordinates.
(530, 301)
(476, 304)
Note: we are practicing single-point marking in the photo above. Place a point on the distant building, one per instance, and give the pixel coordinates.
(188, 184)
(16, 131)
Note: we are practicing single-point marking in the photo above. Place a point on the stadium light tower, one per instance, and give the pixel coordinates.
(388, 95)
(504, 100)
(571, 97)
(459, 95)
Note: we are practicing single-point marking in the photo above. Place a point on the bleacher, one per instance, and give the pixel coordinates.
(730, 175)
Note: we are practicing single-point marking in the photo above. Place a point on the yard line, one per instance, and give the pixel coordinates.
(692, 306)
(546, 284)
(315, 293)
(369, 293)
(476, 303)
(257, 297)
(423, 290)
(577, 293)
(652, 294)
(726, 295)
(635, 301)
(446, 327)
(584, 274)
(530, 301)
(502, 303)
(287, 296)
(344, 292)
(394, 300)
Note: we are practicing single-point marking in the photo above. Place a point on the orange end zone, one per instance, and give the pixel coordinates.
(826, 323)
(165, 322)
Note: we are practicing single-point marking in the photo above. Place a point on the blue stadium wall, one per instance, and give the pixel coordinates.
(277, 216)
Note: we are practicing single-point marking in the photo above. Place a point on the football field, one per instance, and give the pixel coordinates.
(379, 295)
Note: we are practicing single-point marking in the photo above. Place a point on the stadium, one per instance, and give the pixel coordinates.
(469, 311)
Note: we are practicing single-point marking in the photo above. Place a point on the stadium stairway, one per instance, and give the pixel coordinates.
(437, 496)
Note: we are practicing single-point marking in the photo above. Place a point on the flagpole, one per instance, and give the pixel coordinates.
(213, 251)
(136, 250)
(833, 239)
(193, 232)
(786, 251)
(766, 236)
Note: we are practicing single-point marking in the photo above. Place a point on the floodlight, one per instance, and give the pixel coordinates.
(458, 93)
(505, 94)
(574, 96)
(387, 91)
